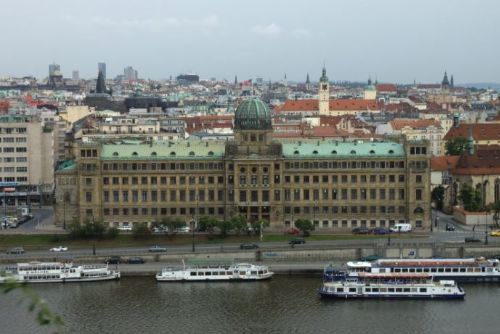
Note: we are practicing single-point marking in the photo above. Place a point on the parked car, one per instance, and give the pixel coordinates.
(124, 228)
(160, 229)
(184, 229)
(297, 241)
(495, 233)
(135, 260)
(292, 231)
(401, 227)
(360, 230)
(113, 260)
(379, 230)
(449, 227)
(157, 249)
(16, 250)
(249, 246)
(472, 239)
(59, 249)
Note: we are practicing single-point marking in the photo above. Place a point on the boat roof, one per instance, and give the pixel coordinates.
(393, 275)
(35, 263)
(359, 264)
(429, 262)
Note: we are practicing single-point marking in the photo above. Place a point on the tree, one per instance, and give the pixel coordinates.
(257, 225)
(141, 231)
(495, 207)
(239, 223)
(456, 146)
(437, 196)
(225, 226)
(207, 224)
(471, 198)
(305, 225)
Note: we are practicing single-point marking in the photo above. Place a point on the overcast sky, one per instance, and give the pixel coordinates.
(393, 40)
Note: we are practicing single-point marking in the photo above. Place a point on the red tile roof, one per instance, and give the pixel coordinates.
(387, 88)
(400, 123)
(484, 161)
(480, 131)
(444, 163)
(313, 105)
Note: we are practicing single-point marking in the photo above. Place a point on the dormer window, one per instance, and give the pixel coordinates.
(172, 154)
(353, 152)
(134, 154)
(191, 154)
(115, 154)
(153, 154)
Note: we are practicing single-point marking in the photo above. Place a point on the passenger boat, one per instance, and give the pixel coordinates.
(47, 272)
(460, 270)
(391, 286)
(236, 272)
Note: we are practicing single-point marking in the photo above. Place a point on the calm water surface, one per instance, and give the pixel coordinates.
(282, 305)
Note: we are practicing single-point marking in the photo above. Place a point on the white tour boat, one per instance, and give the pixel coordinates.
(235, 272)
(460, 270)
(46, 272)
(391, 286)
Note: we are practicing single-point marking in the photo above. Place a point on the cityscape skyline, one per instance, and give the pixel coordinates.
(385, 40)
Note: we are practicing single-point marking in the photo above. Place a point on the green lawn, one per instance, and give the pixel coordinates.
(44, 242)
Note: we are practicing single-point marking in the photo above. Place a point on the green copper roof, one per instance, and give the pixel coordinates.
(161, 150)
(323, 78)
(67, 165)
(252, 114)
(332, 149)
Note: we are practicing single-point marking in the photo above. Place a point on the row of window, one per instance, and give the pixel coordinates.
(163, 166)
(15, 149)
(344, 164)
(14, 179)
(14, 159)
(347, 224)
(353, 209)
(161, 211)
(20, 169)
(344, 194)
(155, 196)
(13, 130)
(159, 180)
(13, 139)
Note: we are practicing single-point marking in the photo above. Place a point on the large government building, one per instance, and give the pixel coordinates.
(336, 184)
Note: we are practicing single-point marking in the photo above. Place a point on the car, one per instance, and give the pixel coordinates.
(495, 233)
(472, 239)
(135, 260)
(59, 249)
(449, 227)
(157, 249)
(124, 228)
(379, 231)
(113, 260)
(249, 246)
(16, 250)
(160, 229)
(360, 230)
(297, 241)
(184, 229)
(292, 231)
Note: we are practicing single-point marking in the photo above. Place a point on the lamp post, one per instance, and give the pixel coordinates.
(94, 236)
(194, 222)
(485, 229)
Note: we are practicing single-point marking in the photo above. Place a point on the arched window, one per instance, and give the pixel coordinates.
(134, 154)
(418, 210)
(334, 152)
(353, 152)
(315, 152)
(115, 154)
(497, 190)
(191, 154)
(210, 153)
(391, 152)
(372, 152)
(172, 154)
(153, 154)
(296, 152)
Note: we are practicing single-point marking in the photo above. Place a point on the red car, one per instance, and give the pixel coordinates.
(292, 231)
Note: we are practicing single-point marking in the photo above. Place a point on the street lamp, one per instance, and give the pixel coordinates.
(194, 222)
(485, 230)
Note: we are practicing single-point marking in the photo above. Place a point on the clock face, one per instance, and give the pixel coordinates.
(324, 87)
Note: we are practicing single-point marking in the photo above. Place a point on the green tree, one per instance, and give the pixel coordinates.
(172, 224)
(437, 196)
(207, 224)
(471, 198)
(141, 231)
(304, 225)
(239, 223)
(456, 146)
(225, 226)
(495, 207)
(257, 225)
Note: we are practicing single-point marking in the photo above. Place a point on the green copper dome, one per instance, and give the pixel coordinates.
(252, 114)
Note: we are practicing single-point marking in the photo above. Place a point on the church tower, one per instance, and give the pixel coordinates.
(324, 94)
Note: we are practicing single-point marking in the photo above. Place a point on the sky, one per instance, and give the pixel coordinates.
(399, 41)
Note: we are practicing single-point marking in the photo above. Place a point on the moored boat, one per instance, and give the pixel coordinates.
(47, 272)
(391, 286)
(235, 272)
(460, 270)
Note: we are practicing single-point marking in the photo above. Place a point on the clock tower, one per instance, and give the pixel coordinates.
(324, 94)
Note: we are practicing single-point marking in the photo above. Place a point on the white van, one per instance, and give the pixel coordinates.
(401, 228)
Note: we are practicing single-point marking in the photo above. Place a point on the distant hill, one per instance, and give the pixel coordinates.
(482, 85)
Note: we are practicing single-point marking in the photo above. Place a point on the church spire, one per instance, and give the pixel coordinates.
(445, 83)
(235, 79)
(323, 78)
(100, 85)
(307, 79)
(452, 83)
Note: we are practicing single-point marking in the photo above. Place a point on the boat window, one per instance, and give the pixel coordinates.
(253, 273)
(426, 270)
(412, 270)
(448, 270)
(261, 272)
(440, 270)
(399, 290)
(368, 289)
(375, 289)
(470, 270)
(242, 273)
(423, 289)
(193, 273)
(229, 273)
(433, 270)
(455, 270)
(462, 270)
(340, 289)
(414, 290)
(419, 270)
(208, 273)
(215, 273)
(352, 289)
(477, 270)
(405, 270)
(390, 289)
(383, 289)
(406, 289)
(397, 270)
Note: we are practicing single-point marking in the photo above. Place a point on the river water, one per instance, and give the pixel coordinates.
(285, 304)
